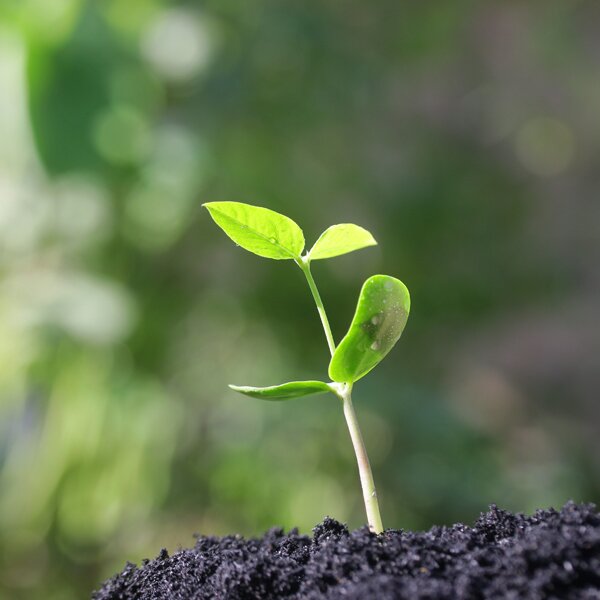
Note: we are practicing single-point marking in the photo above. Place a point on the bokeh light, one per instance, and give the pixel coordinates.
(177, 44)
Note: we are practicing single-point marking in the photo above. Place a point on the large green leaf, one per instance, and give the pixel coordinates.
(285, 391)
(258, 230)
(341, 239)
(380, 317)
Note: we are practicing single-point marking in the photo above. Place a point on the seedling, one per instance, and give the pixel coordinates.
(380, 317)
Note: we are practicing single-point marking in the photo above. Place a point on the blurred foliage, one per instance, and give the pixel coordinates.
(464, 135)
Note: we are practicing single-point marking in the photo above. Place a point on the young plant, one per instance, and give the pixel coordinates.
(380, 317)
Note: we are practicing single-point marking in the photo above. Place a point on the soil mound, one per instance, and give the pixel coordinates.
(550, 555)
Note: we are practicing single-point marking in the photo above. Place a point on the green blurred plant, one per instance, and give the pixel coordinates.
(380, 317)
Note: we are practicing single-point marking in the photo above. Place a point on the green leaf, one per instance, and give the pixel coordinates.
(380, 317)
(285, 391)
(258, 230)
(341, 239)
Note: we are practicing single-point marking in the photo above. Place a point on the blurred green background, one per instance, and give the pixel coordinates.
(464, 135)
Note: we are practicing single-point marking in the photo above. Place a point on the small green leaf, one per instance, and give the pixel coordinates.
(258, 230)
(380, 317)
(285, 391)
(341, 239)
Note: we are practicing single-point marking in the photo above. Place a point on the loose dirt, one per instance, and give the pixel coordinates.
(550, 555)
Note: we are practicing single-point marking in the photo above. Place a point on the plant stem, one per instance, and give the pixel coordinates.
(364, 467)
(305, 266)
(344, 392)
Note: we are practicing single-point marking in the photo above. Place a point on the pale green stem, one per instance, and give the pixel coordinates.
(305, 266)
(364, 467)
(344, 392)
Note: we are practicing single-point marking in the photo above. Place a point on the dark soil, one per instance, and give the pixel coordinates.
(548, 555)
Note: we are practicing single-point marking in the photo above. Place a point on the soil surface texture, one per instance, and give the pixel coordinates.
(552, 554)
